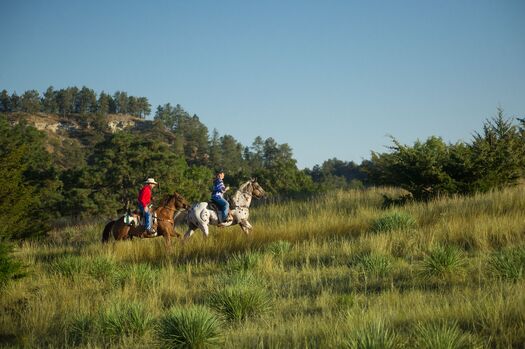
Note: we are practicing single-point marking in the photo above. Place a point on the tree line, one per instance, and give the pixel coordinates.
(74, 100)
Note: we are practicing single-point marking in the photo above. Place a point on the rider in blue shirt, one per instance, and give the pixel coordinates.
(217, 196)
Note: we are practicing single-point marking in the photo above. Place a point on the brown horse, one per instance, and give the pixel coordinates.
(164, 223)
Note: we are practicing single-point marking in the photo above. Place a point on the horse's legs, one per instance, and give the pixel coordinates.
(189, 232)
(204, 228)
(245, 226)
(167, 240)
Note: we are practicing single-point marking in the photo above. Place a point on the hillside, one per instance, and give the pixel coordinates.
(335, 272)
(70, 138)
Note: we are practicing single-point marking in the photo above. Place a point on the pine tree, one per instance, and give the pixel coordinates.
(49, 101)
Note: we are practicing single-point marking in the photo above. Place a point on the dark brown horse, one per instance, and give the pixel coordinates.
(164, 223)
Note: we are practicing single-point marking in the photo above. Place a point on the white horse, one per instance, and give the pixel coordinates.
(201, 216)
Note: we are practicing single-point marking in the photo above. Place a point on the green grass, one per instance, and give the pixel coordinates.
(330, 272)
(508, 264)
(373, 336)
(393, 221)
(194, 327)
(441, 336)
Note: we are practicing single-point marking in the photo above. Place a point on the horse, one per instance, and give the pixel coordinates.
(162, 221)
(201, 215)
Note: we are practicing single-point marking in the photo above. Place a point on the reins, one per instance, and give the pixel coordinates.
(167, 208)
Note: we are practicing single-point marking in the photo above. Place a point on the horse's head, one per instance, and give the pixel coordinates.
(180, 201)
(257, 190)
(177, 202)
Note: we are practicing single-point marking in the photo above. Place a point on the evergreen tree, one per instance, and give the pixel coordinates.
(103, 103)
(49, 101)
(497, 153)
(66, 100)
(15, 102)
(144, 108)
(133, 106)
(29, 186)
(215, 152)
(5, 102)
(232, 155)
(121, 102)
(30, 102)
(85, 101)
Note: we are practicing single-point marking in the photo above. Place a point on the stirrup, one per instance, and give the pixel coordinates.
(151, 233)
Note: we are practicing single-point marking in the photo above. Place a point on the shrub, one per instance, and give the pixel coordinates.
(238, 303)
(393, 221)
(442, 262)
(508, 264)
(374, 264)
(124, 319)
(440, 336)
(10, 268)
(373, 336)
(195, 327)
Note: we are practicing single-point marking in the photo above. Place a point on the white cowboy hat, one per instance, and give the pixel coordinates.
(150, 181)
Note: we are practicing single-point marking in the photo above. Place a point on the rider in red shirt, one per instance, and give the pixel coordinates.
(144, 201)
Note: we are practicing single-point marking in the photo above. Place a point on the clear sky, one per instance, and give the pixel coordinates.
(330, 78)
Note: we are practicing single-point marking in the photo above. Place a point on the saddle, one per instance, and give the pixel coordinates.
(213, 206)
(136, 218)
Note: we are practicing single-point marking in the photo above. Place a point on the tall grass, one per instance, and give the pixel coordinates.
(195, 327)
(333, 271)
(374, 336)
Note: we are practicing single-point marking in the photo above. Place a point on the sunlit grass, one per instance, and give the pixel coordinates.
(319, 273)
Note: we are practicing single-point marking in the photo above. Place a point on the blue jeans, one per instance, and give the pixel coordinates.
(223, 205)
(147, 216)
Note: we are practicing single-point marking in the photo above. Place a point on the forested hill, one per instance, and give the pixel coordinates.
(71, 152)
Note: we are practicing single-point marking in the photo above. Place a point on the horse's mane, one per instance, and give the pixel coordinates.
(238, 192)
(167, 198)
(244, 185)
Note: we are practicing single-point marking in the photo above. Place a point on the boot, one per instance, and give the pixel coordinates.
(151, 233)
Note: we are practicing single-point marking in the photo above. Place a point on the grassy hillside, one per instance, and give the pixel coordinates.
(335, 271)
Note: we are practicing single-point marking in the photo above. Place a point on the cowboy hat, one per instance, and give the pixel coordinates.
(150, 181)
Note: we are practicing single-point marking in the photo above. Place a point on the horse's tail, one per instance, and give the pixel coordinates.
(107, 231)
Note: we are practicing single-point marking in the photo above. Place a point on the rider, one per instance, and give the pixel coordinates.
(144, 201)
(217, 197)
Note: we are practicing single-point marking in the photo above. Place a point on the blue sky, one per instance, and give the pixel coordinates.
(330, 78)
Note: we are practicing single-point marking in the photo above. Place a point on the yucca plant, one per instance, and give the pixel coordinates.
(442, 262)
(194, 327)
(440, 336)
(124, 319)
(240, 302)
(508, 264)
(393, 221)
(374, 264)
(373, 336)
